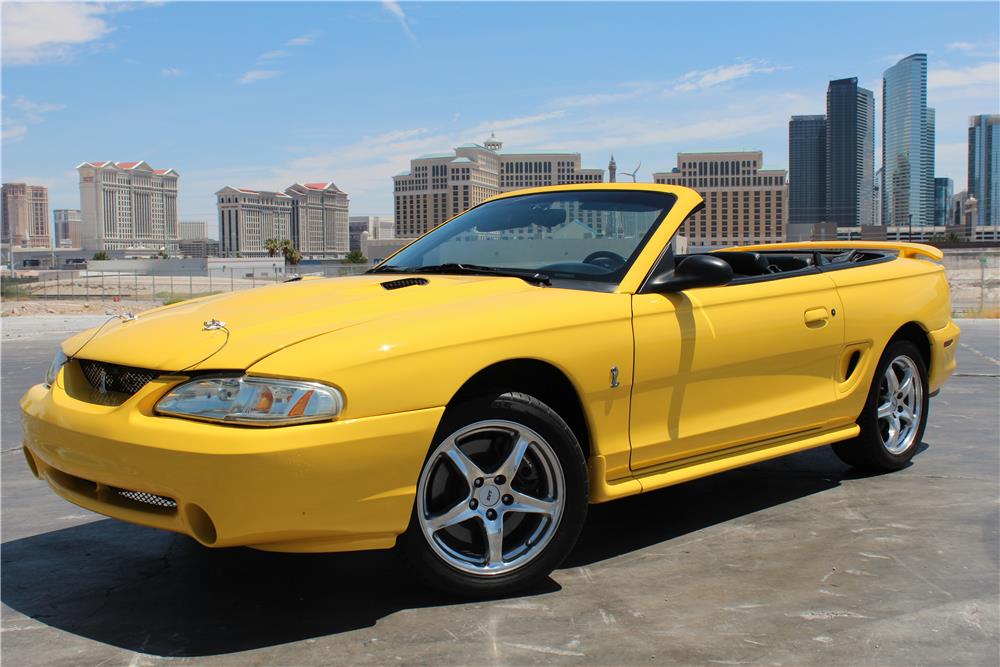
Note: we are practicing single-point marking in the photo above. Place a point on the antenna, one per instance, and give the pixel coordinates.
(633, 173)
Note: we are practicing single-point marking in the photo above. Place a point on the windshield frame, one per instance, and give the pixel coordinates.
(670, 202)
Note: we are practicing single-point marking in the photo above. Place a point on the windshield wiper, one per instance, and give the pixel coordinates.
(388, 268)
(533, 277)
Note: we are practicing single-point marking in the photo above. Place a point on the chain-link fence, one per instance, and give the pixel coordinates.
(973, 274)
(146, 287)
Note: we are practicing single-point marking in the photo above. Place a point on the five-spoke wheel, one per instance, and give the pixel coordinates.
(500, 499)
(895, 413)
(491, 498)
(900, 404)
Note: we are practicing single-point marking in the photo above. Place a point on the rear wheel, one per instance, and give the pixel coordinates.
(500, 500)
(895, 414)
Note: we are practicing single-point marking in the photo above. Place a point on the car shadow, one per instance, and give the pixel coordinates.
(158, 593)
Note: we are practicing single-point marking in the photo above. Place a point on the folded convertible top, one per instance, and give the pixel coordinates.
(911, 250)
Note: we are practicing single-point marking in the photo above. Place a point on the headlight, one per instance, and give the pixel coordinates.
(252, 401)
(57, 362)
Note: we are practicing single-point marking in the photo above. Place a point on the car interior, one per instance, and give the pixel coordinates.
(749, 266)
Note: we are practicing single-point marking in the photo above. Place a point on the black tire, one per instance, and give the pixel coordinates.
(868, 450)
(526, 411)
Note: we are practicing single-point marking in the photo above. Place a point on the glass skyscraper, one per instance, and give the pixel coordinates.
(850, 153)
(907, 144)
(806, 170)
(984, 167)
(944, 191)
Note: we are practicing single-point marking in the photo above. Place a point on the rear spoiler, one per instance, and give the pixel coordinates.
(909, 250)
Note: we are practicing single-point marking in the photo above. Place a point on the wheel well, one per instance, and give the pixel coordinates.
(914, 333)
(537, 378)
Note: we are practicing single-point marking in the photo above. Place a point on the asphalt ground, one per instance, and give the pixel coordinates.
(797, 561)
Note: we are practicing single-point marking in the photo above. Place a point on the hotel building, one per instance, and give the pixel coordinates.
(319, 225)
(248, 218)
(128, 205)
(744, 203)
(25, 211)
(442, 185)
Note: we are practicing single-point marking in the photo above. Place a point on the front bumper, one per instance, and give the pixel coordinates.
(944, 345)
(317, 487)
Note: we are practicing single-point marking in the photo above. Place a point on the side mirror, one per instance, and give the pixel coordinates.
(694, 271)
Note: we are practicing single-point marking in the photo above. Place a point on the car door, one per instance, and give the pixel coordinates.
(723, 366)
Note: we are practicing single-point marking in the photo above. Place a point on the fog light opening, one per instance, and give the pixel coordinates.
(201, 525)
(31, 462)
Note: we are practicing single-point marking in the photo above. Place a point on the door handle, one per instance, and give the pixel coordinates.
(816, 316)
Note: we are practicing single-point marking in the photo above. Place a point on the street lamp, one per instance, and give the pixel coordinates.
(910, 232)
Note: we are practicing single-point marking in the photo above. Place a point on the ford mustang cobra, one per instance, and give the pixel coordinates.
(467, 398)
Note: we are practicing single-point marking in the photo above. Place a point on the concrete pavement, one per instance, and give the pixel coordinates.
(796, 561)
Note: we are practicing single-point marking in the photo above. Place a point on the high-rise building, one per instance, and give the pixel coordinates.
(249, 218)
(984, 167)
(320, 226)
(25, 211)
(944, 192)
(907, 144)
(68, 228)
(128, 205)
(193, 229)
(850, 153)
(744, 203)
(442, 185)
(378, 227)
(612, 170)
(807, 170)
(877, 198)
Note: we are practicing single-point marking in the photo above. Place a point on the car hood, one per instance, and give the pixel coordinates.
(265, 320)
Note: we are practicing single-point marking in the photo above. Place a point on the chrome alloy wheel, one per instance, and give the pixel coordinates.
(900, 404)
(490, 497)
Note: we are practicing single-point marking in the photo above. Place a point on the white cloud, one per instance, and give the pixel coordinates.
(39, 32)
(171, 72)
(700, 79)
(11, 132)
(396, 10)
(303, 40)
(975, 81)
(688, 82)
(961, 46)
(987, 74)
(255, 75)
(33, 111)
(272, 55)
(22, 113)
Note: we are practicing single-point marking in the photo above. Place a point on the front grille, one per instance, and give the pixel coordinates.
(113, 383)
(147, 498)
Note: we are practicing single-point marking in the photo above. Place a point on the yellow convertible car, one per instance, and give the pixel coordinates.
(468, 397)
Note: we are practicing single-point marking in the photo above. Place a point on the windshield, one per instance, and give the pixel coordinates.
(588, 235)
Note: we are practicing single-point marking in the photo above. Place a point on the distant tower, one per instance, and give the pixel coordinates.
(493, 143)
(612, 169)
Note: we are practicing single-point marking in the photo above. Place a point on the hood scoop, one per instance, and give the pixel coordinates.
(403, 282)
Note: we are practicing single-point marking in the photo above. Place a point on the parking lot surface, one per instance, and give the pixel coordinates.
(796, 561)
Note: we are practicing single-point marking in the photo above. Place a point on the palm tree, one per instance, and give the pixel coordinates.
(292, 255)
(273, 247)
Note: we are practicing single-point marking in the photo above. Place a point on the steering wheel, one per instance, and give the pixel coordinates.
(605, 259)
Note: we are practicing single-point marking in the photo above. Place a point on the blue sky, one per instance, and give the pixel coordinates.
(268, 94)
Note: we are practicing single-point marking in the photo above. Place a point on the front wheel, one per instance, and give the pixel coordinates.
(895, 414)
(500, 500)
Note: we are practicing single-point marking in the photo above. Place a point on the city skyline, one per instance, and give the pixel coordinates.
(235, 120)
